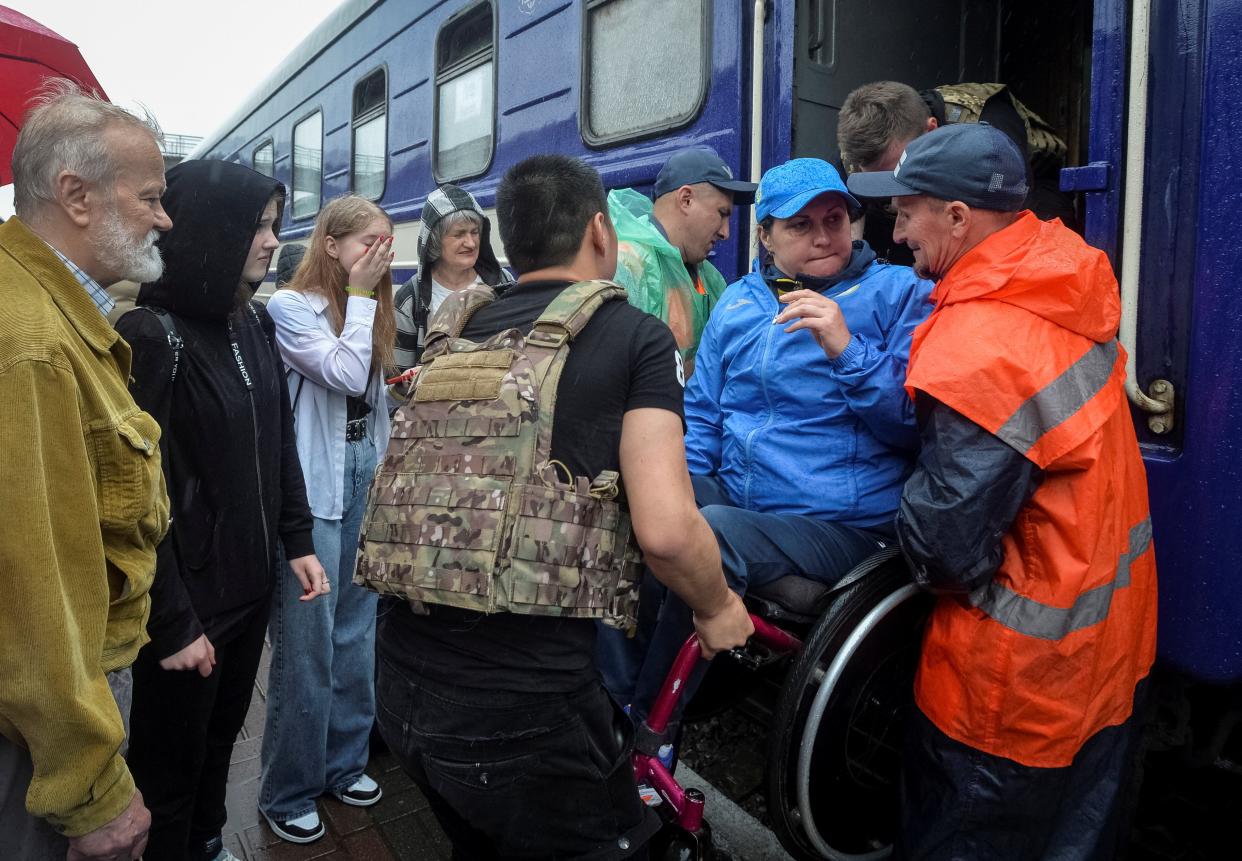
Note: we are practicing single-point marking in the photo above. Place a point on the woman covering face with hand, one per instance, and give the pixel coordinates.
(335, 328)
(205, 365)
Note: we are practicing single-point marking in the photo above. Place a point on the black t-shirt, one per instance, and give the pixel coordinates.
(623, 360)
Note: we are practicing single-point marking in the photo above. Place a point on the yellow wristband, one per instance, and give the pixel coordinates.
(358, 291)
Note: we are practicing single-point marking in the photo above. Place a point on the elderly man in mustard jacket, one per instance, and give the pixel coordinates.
(80, 485)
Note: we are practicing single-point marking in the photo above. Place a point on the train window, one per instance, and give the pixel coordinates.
(264, 160)
(629, 87)
(370, 135)
(465, 94)
(307, 165)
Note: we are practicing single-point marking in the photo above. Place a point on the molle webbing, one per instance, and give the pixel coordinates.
(468, 508)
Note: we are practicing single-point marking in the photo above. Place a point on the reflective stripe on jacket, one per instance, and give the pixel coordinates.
(1048, 652)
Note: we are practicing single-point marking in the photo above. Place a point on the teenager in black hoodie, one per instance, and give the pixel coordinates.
(216, 387)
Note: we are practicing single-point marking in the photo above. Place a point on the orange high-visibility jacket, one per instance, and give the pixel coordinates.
(1022, 342)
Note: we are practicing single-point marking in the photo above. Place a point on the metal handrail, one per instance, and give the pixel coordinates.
(1161, 406)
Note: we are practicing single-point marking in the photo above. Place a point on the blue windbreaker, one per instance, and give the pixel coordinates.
(789, 431)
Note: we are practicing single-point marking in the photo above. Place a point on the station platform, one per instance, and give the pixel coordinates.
(399, 828)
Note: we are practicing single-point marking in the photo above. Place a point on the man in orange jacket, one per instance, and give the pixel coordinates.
(1027, 513)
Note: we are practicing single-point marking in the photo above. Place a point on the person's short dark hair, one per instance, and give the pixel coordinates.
(543, 207)
(873, 116)
(290, 256)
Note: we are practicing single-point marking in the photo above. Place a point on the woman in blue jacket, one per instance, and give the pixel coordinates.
(799, 433)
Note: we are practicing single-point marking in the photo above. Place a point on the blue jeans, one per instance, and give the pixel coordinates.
(755, 549)
(321, 692)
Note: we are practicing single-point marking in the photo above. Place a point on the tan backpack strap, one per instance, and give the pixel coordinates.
(453, 315)
(568, 313)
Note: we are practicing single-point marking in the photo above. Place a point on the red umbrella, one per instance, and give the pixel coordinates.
(29, 54)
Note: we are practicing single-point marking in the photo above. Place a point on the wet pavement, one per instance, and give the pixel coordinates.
(400, 826)
(1184, 814)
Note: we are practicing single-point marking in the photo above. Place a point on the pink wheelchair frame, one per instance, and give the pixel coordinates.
(687, 804)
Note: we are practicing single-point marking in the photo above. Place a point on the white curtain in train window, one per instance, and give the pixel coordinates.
(307, 165)
(646, 64)
(370, 122)
(465, 93)
(465, 140)
(264, 159)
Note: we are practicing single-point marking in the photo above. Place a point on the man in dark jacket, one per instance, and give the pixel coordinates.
(1026, 514)
(205, 366)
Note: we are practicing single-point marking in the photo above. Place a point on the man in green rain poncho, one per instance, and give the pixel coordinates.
(662, 247)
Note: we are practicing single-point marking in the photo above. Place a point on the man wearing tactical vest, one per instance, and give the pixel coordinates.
(879, 119)
(1027, 513)
(540, 448)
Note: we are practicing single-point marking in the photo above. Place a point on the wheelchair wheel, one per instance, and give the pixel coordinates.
(834, 755)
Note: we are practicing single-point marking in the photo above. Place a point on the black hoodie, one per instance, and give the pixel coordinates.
(230, 462)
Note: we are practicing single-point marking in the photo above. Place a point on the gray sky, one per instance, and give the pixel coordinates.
(190, 63)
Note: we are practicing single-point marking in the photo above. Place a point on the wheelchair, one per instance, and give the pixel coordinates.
(831, 671)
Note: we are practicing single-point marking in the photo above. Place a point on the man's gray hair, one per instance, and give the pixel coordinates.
(435, 242)
(875, 115)
(64, 130)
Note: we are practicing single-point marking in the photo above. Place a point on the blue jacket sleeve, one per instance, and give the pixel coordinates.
(873, 376)
(704, 419)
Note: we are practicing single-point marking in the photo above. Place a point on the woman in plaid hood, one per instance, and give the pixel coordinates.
(454, 251)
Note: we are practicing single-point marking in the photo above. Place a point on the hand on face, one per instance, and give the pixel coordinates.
(367, 271)
(817, 314)
(365, 254)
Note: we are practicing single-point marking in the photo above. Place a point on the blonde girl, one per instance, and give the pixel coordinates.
(335, 329)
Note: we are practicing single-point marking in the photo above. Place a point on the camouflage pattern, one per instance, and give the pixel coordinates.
(963, 103)
(467, 507)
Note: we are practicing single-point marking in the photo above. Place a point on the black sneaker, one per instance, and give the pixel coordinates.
(304, 829)
(363, 792)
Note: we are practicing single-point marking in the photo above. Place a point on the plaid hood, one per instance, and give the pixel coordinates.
(442, 202)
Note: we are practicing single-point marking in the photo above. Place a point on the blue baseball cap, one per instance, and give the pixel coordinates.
(972, 162)
(700, 164)
(785, 189)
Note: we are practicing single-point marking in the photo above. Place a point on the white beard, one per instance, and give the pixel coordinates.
(133, 260)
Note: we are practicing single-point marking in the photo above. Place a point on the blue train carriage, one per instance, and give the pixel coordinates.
(390, 98)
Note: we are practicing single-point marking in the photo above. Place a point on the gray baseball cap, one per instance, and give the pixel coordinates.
(700, 164)
(971, 162)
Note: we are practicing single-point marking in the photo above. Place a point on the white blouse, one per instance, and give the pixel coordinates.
(324, 369)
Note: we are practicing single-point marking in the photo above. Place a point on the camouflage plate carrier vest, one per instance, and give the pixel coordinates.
(963, 103)
(468, 509)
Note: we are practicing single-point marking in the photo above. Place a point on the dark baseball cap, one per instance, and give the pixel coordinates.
(700, 164)
(971, 162)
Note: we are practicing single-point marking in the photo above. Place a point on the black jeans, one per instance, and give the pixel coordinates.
(518, 775)
(182, 730)
(961, 804)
